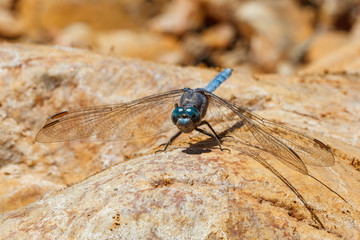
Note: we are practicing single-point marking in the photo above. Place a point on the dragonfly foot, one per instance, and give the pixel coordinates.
(223, 149)
(162, 150)
(226, 136)
(159, 151)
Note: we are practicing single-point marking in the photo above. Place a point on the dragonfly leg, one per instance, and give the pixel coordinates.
(212, 135)
(169, 142)
(208, 124)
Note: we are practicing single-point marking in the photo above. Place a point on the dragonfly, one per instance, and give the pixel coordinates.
(190, 110)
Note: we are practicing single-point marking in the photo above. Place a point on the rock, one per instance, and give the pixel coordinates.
(47, 15)
(144, 45)
(269, 36)
(325, 43)
(179, 17)
(76, 35)
(219, 36)
(343, 60)
(355, 31)
(179, 195)
(273, 28)
(193, 189)
(11, 25)
(337, 14)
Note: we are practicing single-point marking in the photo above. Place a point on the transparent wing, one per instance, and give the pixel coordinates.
(311, 150)
(140, 118)
(291, 147)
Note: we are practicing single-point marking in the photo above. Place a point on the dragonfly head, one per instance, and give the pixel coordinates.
(185, 119)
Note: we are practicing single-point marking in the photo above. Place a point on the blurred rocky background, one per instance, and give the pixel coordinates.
(295, 61)
(279, 36)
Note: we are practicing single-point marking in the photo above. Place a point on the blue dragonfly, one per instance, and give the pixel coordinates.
(189, 109)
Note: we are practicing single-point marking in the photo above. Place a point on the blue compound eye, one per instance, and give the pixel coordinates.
(193, 113)
(176, 114)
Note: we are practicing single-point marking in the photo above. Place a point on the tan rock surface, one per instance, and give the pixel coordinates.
(274, 28)
(143, 45)
(179, 17)
(325, 43)
(344, 59)
(190, 191)
(180, 196)
(40, 15)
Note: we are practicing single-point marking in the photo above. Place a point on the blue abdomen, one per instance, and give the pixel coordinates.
(219, 79)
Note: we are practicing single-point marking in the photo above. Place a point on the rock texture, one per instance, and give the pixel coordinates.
(192, 191)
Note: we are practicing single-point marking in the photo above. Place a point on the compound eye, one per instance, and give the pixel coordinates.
(176, 114)
(193, 113)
